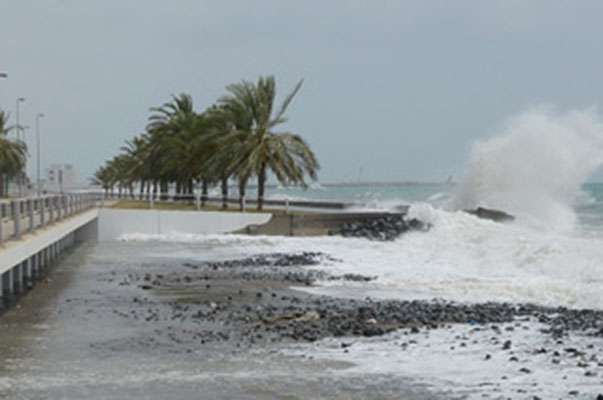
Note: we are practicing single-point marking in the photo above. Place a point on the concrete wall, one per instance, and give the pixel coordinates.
(309, 224)
(116, 222)
(113, 223)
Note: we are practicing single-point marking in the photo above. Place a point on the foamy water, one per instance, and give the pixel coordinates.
(462, 258)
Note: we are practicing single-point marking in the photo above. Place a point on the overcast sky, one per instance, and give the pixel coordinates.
(398, 88)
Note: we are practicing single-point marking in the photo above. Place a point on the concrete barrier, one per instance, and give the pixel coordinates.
(309, 224)
(114, 223)
(24, 215)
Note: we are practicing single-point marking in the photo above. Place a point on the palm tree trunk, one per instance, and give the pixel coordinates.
(261, 186)
(225, 193)
(204, 190)
(164, 189)
(242, 190)
(2, 186)
(141, 194)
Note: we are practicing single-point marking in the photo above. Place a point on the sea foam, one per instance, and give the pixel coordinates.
(535, 167)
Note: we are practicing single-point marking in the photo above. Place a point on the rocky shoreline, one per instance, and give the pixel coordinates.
(253, 300)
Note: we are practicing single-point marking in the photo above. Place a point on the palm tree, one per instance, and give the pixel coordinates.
(236, 138)
(220, 147)
(137, 151)
(259, 148)
(12, 155)
(175, 135)
(103, 177)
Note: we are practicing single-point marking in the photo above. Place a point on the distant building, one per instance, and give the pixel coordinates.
(61, 177)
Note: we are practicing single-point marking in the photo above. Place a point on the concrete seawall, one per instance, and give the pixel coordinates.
(309, 224)
(116, 222)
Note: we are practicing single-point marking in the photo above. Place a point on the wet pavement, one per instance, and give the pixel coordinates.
(90, 330)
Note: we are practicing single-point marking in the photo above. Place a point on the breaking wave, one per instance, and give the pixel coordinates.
(535, 168)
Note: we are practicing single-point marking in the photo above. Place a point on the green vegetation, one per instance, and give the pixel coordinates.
(13, 155)
(235, 138)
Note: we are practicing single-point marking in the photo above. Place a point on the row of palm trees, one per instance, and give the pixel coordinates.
(237, 138)
(13, 154)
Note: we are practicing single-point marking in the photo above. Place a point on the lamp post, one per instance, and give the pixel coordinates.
(19, 177)
(38, 181)
(18, 102)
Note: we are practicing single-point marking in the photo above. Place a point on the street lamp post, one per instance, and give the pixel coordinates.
(18, 102)
(38, 181)
(19, 177)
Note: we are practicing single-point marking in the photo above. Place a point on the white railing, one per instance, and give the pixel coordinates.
(24, 215)
(199, 200)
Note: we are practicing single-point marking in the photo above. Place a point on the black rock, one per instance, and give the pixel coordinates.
(494, 215)
(384, 228)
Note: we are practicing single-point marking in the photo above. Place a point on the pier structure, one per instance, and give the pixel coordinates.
(34, 232)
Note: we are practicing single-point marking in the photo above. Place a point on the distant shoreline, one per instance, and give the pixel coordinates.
(381, 184)
(363, 183)
(384, 183)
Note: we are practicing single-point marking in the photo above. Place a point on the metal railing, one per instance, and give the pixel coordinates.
(24, 215)
(199, 200)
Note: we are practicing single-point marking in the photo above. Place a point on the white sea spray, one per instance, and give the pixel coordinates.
(535, 167)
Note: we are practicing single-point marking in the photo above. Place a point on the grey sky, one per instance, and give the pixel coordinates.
(399, 88)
